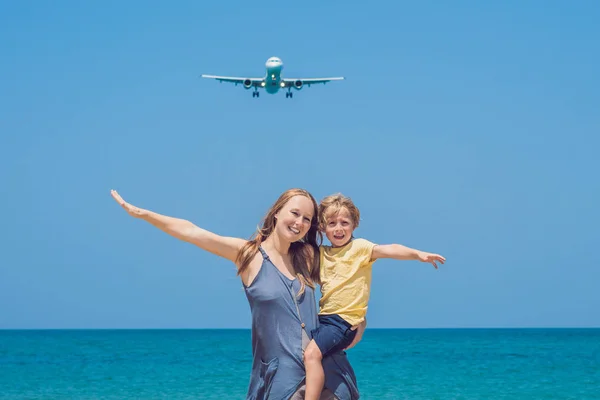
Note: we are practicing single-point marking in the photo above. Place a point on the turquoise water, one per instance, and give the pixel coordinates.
(215, 364)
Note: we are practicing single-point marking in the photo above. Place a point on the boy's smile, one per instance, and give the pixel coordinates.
(339, 228)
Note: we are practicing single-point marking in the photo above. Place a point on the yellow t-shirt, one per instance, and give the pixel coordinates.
(346, 280)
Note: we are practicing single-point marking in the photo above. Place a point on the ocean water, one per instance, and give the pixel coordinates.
(215, 364)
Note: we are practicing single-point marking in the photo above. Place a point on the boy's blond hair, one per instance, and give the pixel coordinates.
(332, 205)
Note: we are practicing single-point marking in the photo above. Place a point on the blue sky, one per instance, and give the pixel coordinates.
(467, 129)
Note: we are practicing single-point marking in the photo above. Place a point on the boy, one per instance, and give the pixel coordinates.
(345, 283)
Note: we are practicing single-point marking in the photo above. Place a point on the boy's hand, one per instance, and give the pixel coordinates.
(430, 258)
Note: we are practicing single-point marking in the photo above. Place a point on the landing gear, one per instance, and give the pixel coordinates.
(256, 93)
(289, 94)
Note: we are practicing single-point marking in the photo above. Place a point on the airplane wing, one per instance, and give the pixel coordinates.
(248, 82)
(298, 82)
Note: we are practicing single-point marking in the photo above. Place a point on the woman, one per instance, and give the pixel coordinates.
(278, 267)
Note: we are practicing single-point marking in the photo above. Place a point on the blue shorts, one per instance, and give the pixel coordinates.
(333, 334)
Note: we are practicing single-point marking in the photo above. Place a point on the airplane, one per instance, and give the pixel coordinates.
(272, 82)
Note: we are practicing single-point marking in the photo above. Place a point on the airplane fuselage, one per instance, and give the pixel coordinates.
(273, 77)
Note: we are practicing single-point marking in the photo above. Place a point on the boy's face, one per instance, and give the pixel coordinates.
(339, 228)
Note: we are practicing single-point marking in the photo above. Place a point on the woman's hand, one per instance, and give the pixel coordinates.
(360, 329)
(131, 210)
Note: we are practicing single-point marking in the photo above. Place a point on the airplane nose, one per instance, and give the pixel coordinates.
(273, 62)
(273, 65)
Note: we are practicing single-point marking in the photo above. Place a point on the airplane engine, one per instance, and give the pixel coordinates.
(247, 83)
(298, 84)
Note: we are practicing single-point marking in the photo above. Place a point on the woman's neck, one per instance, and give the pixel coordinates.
(276, 243)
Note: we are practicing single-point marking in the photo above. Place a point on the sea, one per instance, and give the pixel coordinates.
(215, 364)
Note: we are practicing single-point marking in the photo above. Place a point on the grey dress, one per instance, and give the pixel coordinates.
(278, 366)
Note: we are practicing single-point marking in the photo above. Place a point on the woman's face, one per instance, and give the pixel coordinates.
(294, 219)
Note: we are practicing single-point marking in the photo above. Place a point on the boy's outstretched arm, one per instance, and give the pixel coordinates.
(400, 252)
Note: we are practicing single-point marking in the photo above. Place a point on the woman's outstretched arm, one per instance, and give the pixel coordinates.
(226, 247)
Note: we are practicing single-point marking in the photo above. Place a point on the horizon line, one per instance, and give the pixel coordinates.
(249, 329)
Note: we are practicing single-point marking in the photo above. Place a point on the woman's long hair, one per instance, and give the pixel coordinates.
(304, 253)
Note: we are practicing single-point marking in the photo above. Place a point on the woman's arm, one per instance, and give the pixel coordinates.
(226, 247)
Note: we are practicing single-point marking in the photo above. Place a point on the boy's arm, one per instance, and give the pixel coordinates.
(226, 247)
(400, 252)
